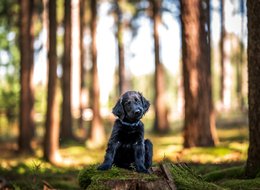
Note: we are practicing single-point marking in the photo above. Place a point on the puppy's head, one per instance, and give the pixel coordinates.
(132, 106)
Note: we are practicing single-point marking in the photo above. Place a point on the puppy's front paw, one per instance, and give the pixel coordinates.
(104, 166)
(142, 170)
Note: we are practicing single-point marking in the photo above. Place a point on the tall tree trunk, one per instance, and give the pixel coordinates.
(253, 164)
(221, 48)
(199, 124)
(26, 126)
(75, 58)
(239, 78)
(225, 64)
(161, 123)
(240, 64)
(66, 122)
(208, 76)
(45, 40)
(51, 137)
(96, 132)
(120, 45)
(82, 58)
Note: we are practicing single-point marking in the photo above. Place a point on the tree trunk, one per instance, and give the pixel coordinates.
(240, 64)
(45, 22)
(120, 45)
(161, 123)
(221, 48)
(66, 122)
(225, 64)
(96, 132)
(199, 124)
(253, 164)
(75, 58)
(82, 59)
(51, 138)
(239, 78)
(26, 126)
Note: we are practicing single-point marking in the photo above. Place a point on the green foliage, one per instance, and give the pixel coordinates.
(9, 97)
(9, 10)
(9, 59)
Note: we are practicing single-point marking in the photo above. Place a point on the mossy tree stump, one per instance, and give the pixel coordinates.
(160, 178)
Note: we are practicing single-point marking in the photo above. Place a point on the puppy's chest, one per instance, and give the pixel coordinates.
(128, 136)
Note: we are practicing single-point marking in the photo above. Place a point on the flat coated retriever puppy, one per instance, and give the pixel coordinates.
(126, 147)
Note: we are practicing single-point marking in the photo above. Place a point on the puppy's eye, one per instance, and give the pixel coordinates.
(128, 103)
(136, 100)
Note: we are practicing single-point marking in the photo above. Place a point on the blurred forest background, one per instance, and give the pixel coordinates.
(64, 64)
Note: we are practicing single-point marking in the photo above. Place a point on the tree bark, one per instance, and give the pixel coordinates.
(199, 124)
(51, 137)
(26, 126)
(221, 47)
(96, 131)
(82, 58)
(66, 122)
(75, 58)
(120, 45)
(241, 63)
(253, 164)
(225, 64)
(45, 30)
(161, 123)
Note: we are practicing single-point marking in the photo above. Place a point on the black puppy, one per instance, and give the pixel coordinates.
(126, 147)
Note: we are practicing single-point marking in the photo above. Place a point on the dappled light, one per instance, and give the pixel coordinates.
(139, 94)
(231, 148)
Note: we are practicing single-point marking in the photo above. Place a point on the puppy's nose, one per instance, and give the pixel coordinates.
(137, 112)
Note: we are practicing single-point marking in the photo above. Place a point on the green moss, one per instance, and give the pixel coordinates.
(241, 184)
(203, 169)
(90, 176)
(233, 172)
(85, 176)
(231, 178)
(31, 176)
(63, 184)
(96, 185)
(186, 179)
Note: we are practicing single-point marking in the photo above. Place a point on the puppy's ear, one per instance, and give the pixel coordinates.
(146, 103)
(118, 109)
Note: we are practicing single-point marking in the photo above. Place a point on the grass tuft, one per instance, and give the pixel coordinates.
(186, 179)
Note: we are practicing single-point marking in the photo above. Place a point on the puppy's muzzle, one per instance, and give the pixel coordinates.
(138, 113)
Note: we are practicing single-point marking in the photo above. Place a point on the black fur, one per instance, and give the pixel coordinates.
(126, 147)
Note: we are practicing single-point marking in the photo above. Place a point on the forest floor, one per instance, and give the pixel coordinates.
(212, 164)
